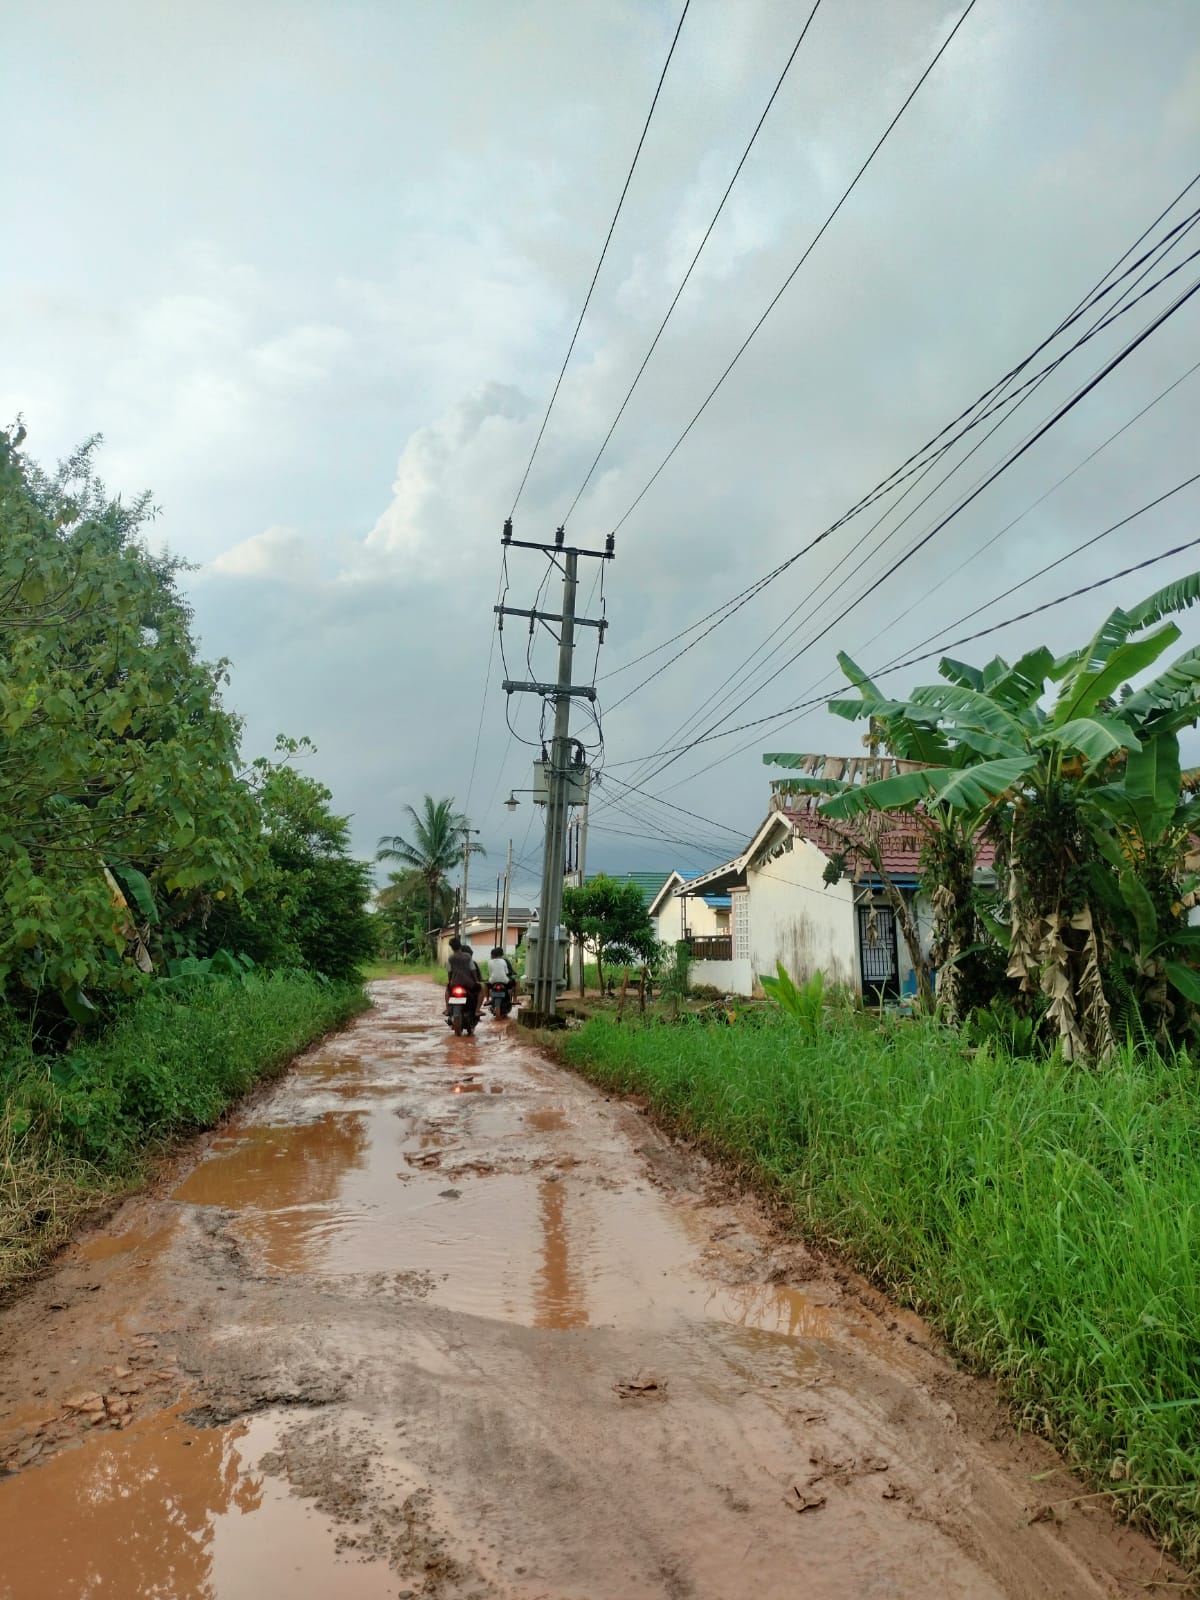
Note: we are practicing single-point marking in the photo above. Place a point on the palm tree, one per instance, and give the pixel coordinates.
(432, 853)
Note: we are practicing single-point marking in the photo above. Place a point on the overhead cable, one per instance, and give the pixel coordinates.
(600, 262)
(692, 265)
(744, 346)
(1056, 417)
(1012, 402)
(812, 702)
(1089, 300)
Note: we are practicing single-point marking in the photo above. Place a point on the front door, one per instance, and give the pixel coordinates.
(877, 953)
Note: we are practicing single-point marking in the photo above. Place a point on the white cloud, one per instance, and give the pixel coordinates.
(279, 553)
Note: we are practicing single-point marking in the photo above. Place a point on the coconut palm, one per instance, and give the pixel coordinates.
(432, 852)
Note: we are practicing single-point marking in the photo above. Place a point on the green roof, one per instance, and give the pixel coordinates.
(650, 883)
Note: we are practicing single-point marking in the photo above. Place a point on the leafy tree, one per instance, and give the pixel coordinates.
(307, 904)
(433, 851)
(404, 913)
(118, 762)
(611, 921)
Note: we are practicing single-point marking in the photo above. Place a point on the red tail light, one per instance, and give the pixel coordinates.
(458, 989)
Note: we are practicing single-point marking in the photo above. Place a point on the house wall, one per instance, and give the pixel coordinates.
(799, 920)
(702, 920)
(668, 924)
(480, 939)
(730, 977)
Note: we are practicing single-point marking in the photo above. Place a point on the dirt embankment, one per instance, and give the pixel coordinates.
(434, 1318)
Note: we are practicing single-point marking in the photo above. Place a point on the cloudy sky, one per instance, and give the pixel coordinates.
(311, 267)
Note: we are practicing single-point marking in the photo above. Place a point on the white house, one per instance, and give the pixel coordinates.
(678, 914)
(784, 911)
(480, 929)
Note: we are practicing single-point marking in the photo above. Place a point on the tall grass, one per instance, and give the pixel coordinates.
(80, 1124)
(1044, 1217)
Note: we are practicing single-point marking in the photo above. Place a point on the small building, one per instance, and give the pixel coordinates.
(784, 911)
(479, 930)
(701, 920)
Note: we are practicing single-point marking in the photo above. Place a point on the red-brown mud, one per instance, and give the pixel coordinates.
(434, 1318)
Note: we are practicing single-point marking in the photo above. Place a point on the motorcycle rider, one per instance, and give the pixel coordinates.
(500, 971)
(461, 968)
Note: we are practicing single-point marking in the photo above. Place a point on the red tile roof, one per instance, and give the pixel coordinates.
(901, 837)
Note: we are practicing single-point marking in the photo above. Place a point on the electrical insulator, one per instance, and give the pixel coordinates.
(506, 536)
(609, 544)
(559, 536)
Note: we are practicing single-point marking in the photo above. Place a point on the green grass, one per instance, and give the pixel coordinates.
(81, 1125)
(1045, 1218)
(401, 969)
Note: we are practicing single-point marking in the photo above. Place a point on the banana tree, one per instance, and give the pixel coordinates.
(1065, 784)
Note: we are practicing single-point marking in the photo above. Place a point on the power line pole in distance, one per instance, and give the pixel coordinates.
(467, 848)
(562, 775)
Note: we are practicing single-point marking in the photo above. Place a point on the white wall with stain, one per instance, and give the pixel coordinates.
(799, 920)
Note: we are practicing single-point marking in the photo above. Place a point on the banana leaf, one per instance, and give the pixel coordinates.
(971, 788)
(1093, 737)
(1141, 907)
(1110, 661)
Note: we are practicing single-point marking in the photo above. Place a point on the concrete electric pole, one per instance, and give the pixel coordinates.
(462, 904)
(561, 774)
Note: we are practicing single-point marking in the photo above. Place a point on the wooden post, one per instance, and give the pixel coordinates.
(621, 1001)
(642, 990)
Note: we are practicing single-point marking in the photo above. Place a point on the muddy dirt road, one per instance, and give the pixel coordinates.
(434, 1318)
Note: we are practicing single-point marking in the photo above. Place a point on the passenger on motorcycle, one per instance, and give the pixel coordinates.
(500, 971)
(461, 968)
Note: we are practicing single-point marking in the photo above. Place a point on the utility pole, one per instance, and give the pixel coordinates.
(462, 902)
(502, 941)
(561, 773)
(581, 825)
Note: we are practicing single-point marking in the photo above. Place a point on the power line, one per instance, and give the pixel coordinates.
(1013, 402)
(895, 666)
(695, 815)
(912, 94)
(655, 824)
(692, 266)
(1050, 565)
(1090, 299)
(1009, 461)
(982, 633)
(600, 262)
(1033, 505)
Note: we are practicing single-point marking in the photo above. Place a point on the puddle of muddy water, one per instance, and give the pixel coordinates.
(165, 1511)
(104, 1246)
(449, 1184)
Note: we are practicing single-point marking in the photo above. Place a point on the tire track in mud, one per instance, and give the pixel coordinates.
(432, 1317)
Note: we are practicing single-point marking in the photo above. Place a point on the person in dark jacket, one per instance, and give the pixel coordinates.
(461, 968)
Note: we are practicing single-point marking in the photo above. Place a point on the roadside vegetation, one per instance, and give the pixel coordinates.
(1045, 1219)
(1019, 1160)
(176, 922)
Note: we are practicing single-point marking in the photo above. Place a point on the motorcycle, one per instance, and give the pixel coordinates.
(500, 1000)
(460, 1011)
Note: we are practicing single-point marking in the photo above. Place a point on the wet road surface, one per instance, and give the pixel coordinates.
(434, 1318)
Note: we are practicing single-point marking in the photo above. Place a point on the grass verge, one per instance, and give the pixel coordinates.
(81, 1126)
(1046, 1218)
(401, 969)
